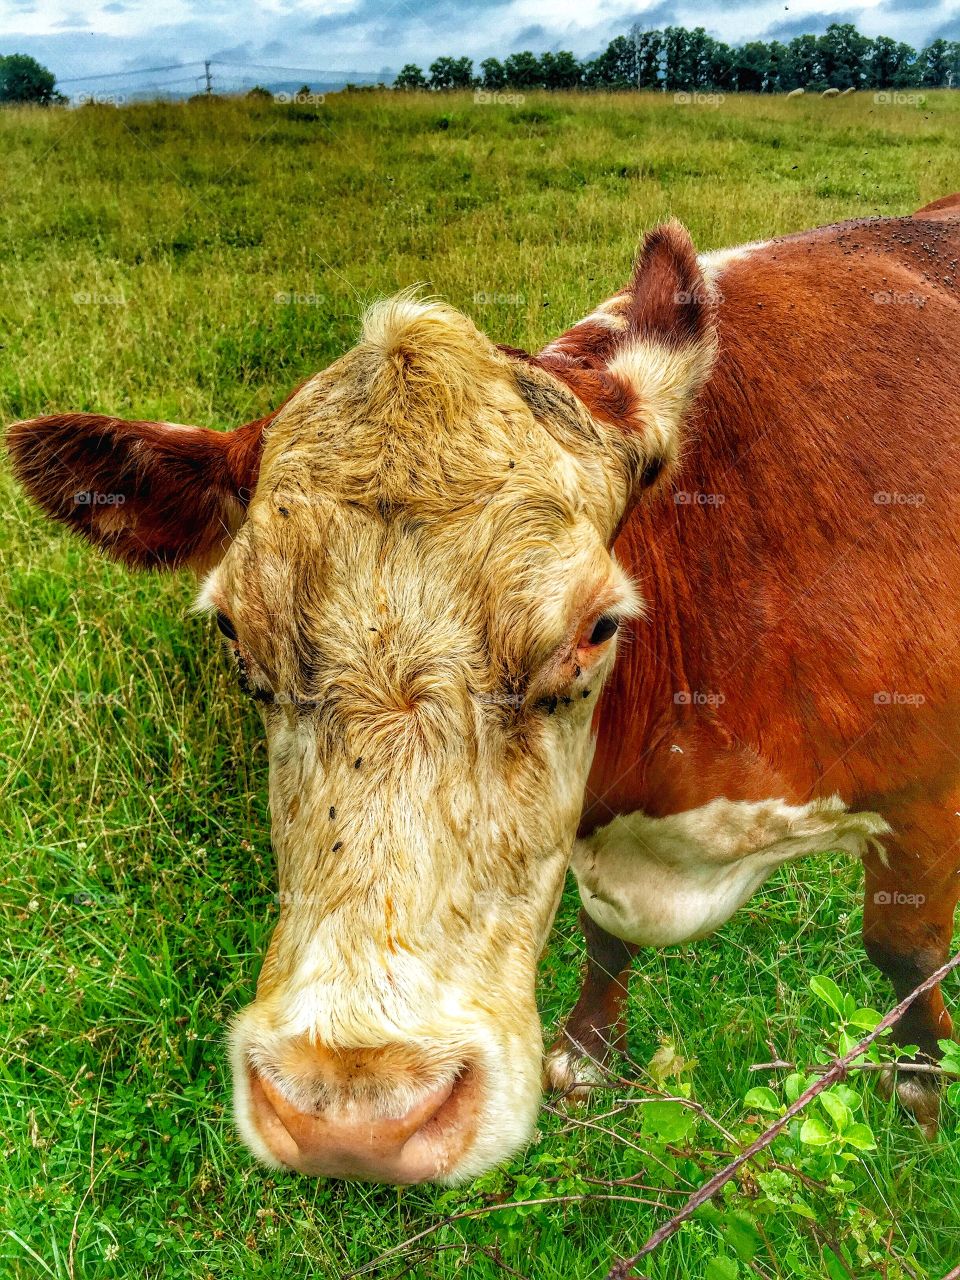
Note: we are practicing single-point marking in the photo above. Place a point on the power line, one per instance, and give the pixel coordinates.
(217, 62)
(300, 71)
(134, 71)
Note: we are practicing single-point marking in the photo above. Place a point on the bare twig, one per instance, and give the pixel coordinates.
(625, 1266)
(909, 1068)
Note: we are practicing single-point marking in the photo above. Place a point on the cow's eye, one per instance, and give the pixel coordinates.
(226, 627)
(604, 627)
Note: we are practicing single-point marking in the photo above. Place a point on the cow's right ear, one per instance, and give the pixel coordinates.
(150, 494)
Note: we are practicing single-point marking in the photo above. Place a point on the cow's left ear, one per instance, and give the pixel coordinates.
(151, 494)
(638, 361)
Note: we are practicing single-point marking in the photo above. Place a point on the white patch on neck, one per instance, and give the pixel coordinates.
(714, 263)
(661, 881)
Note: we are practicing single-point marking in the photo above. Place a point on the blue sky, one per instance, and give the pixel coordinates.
(245, 37)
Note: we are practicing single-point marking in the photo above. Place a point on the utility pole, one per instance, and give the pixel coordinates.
(206, 72)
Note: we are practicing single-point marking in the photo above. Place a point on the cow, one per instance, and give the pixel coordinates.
(741, 472)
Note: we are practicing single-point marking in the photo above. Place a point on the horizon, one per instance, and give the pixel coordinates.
(118, 47)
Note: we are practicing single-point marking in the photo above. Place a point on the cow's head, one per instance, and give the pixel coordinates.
(411, 566)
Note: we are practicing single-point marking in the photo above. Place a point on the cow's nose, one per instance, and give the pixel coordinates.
(360, 1139)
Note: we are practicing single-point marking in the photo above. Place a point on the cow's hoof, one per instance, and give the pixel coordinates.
(918, 1094)
(571, 1072)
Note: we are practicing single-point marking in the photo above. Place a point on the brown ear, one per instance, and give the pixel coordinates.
(150, 494)
(640, 358)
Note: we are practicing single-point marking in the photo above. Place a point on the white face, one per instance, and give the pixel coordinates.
(421, 596)
(428, 671)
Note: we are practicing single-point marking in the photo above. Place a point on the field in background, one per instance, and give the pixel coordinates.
(193, 263)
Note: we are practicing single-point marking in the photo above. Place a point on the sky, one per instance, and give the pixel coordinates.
(85, 42)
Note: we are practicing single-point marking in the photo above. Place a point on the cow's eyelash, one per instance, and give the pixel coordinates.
(225, 626)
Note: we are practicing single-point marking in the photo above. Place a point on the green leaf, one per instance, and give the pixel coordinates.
(836, 1109)
(835, 1268)
(861, 1137)
(794, 1085)
(848, 1095)
(815, 1133)
(668, 1121)
(804, 1211)
(828, 991)
(865, 1019)
(761, 1099)
(722, 1268)
(742, 1236)
(776, 1185)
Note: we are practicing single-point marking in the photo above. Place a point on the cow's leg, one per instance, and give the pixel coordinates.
(907, 929)
(596, 1024)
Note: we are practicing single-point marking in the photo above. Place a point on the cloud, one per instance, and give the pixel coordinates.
(665, 15)
(809, 24)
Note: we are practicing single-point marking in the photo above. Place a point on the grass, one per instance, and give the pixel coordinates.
(193, 263)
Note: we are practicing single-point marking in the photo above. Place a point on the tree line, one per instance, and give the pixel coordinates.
(678, 59)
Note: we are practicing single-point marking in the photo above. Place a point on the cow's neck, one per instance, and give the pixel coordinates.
(671, 734)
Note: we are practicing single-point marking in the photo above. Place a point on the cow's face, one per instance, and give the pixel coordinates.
(414, 580)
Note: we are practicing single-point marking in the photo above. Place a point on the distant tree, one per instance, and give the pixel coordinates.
(751, 67)
(410, 76)
(781, 77)
(843, 55)
(451, 73)
(304, 91)
(647, 50)
(559, 70)
(701, 59)
(23, 79)
(889, 63)
(953, 63)
(933, 65)
(676, 61)
(807, 64)
(492, 74)
(616, 67)
(522, 70)
(259, 94)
